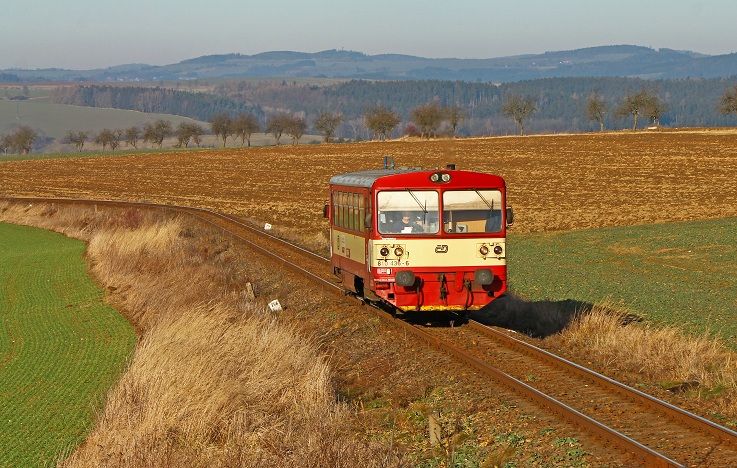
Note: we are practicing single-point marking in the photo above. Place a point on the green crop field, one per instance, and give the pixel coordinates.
(676, 273)
(61, 346)
(55, 120)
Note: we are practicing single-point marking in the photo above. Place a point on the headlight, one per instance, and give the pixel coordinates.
(399, 251)
(484, 250)
(384, 252)
(445, 177)
(435, 177)
(498, 249)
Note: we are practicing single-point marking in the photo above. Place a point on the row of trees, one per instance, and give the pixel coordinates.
(642, 103)
(243, 126)
(20, 141)
(634, 105)
(560, 102)
(154, 133)
(380, 121)
(428, 118)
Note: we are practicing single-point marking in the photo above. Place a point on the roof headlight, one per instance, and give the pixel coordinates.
(445, 177)
(435, 177)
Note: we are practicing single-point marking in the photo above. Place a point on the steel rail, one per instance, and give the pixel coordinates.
(693, 420)
(648, 456)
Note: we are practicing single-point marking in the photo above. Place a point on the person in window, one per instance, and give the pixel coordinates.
(406, 226)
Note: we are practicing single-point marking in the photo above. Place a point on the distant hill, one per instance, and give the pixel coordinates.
(616, 60)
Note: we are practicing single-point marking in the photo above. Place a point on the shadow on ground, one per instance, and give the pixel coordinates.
(538, 319)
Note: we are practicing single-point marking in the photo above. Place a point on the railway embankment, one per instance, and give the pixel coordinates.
(389, 385)
(210, 382)
(213, 380)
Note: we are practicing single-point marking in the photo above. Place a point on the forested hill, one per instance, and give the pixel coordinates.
(616, 60)
(560, 102)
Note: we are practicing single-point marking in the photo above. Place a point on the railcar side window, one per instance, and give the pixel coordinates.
(408, 211)
(344, 209)
(349, 210)
(336, 209)
(472, 211)
(356, 223)
(351, 213)
(361, 213)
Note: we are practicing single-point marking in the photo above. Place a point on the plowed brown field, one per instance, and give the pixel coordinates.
(555, 182)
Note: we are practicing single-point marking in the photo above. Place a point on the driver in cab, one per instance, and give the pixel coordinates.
(406, 226)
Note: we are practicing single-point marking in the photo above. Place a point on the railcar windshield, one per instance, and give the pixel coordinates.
(408, 211)
(472, 211)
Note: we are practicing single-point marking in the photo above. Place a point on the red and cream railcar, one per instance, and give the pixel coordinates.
(421, 240)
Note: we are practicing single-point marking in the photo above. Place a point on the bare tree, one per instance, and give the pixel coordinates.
(6, 143)
(132, 135)
(117, 138)
(428, 118)
(22, 139)
(183, 135)
(357, 127)
(149, 133)
(634, 105)
(104, 138)
(519, 109)
(381, 121)
(653, 108)
(187, 132)
(222, 126)
(157, 131)
(728, 103)
(196, 132)
(327, 123)
(245, 125)
(78, 139)
(455, 115)
(295, 128)
(596, 109)
(277, 125)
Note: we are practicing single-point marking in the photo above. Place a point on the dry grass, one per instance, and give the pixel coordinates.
(661, 355)
(214, 381)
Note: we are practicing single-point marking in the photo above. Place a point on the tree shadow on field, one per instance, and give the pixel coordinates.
(538, 319)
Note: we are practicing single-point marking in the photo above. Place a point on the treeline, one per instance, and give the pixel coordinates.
(9, 78)
(561, 103)
(199, 106)
(152, 132)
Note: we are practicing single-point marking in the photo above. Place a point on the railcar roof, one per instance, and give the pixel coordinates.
(367, 178)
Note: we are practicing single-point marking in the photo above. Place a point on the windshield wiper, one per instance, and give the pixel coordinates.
(490, 205)
(417, 200)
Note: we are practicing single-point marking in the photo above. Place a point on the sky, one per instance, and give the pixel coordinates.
(83, 34)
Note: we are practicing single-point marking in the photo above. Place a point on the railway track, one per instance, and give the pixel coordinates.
(651, 431)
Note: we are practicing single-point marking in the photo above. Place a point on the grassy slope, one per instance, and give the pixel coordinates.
(680, 273)
(61, 347)
(56, 120)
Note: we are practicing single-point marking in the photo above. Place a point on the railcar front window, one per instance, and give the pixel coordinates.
(408, 211)
(472, 211)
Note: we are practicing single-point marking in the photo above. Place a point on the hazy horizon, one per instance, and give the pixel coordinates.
(84, 34)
